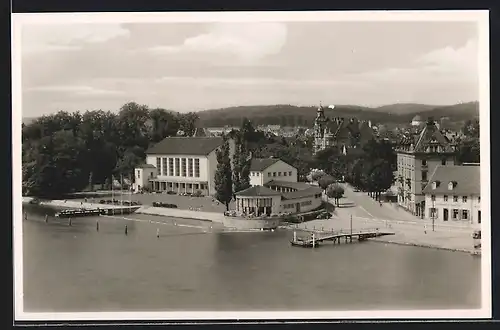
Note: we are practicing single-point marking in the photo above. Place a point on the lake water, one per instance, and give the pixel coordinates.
(79, 269)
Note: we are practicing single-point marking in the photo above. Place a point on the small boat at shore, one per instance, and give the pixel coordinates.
(80, 213)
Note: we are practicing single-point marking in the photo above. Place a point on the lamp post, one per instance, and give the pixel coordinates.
(433, 211)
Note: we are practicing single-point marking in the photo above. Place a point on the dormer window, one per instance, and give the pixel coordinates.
(452, 185)
(435, 184)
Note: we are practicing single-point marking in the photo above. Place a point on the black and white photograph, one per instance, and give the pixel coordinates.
(251, 165)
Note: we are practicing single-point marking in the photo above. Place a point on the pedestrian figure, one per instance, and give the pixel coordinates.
(69, 223)
(46, 218)
(157, 232)
(25, 215)
(97, 225)
(425, 229)
(126, 230)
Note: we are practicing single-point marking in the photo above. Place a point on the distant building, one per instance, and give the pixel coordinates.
(274, 190)
(454, 194)
(417, 157)
(417, 121)
(341, 132)
(181, 164)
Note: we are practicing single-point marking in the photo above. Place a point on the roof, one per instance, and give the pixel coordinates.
(293, 185)
(468, 179)
(258, 191)
(431, 135)
(260, 164)
(145, 166)
(302, 193)
(186, 146)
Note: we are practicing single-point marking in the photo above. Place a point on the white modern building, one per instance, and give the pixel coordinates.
(274, 190)
(181, 164)
(263, 170)
(454, 194)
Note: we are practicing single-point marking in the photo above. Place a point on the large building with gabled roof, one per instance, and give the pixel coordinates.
(454, 194)
(344, 133)
(181, 164)
(418, 155)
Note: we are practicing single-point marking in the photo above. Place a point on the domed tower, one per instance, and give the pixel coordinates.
(319, 129)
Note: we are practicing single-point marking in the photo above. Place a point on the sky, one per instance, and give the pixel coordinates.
(196, 66)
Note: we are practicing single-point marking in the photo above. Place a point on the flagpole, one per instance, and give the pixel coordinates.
(112, 195)
(121, 193)
(129, 193)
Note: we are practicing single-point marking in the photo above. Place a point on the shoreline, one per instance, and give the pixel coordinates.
(440, 239)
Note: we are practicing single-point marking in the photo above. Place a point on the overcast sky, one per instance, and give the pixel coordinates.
(195, 66)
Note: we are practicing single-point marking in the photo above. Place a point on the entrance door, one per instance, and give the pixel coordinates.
(297, 207)
(445, 214)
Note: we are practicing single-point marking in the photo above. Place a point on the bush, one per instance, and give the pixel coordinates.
(198, 193)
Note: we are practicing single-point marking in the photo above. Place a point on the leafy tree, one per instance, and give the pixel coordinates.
(164, 123)
(325, 181)
(317, 175)
(335, 191)
(469, 151)
(241, 165)
(223, 180)
(187, 122)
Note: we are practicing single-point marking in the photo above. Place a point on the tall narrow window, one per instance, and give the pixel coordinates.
(183, 167)
(177, 167)
(165, 167)
(190, 167)
(424, 175)
(197, 167)
(171, 167)
(158, 164)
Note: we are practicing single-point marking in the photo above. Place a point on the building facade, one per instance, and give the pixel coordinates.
(263, 170)
(454, 194)
(274, 190)
(182, 164)
(340, 132)
(418, 155)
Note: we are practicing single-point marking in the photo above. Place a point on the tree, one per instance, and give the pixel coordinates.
(223, 180)
(187, 122)
(325, 181)
(241, 165)
(316, 175)
(469, 151)
(335, 191)
(164, 123)
(381, 177)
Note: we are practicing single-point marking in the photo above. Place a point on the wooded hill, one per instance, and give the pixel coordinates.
(290, 115)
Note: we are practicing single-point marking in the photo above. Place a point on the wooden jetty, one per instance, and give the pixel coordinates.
(318, 237)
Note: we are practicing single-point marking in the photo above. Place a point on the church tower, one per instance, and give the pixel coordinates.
(319, 129)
